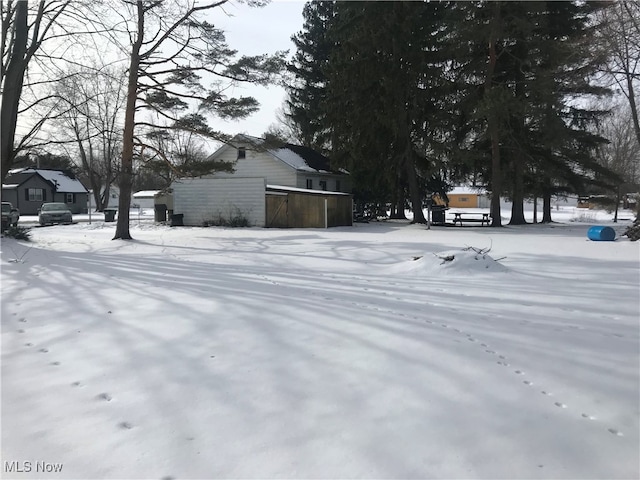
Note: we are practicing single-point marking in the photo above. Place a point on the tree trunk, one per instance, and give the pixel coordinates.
(492, 121)
(397, 207)
(535, 209)
(517, 197)
(615, 215)
(634, 107)
(126, 170)
(414, 191)
(12, 89)
(546, 207)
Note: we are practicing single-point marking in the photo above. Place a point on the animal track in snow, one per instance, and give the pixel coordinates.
(615, 432)
(560, 405)
(125, 425)
(43, 350)
(105, 396)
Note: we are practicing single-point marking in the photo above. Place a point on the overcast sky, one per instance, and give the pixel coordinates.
(254, 31)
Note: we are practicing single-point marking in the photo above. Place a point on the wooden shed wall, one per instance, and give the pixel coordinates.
(301, 210)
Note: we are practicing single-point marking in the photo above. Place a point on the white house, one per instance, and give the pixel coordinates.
(257, 167)
(287, 165)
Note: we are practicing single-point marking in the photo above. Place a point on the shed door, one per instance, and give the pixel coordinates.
(277, 211)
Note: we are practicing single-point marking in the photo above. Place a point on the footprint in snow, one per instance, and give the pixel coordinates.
(105, 396)
(560, 405)
(588, 417)
(504, 364)
(43, 350)
(125, 425)
(23, 320)
(615, 432)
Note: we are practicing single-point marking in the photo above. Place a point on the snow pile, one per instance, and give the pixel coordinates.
(451, 262)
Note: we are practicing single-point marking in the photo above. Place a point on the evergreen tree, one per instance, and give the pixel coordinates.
(308, 91)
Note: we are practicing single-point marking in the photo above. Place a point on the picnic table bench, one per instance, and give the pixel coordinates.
(459, 217)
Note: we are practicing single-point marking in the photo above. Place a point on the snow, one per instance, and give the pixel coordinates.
(341, 353)
(146, 194)
(467, 190)
(293, 159)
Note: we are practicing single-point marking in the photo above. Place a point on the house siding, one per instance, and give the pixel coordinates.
(29, 207)
(207, 200)
(256, 163)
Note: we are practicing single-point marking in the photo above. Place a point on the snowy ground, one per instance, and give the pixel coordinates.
(342, 353)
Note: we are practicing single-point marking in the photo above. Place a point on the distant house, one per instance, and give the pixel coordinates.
(144, 198)
(28, 188)
(261, 173)
(468, 197)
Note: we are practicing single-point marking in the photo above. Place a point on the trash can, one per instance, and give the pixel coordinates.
(177, 220)
(437, 214)
(110, 214)
(160, 212)
(601, 234)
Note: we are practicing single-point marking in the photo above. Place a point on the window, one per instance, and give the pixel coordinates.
(338, 186)
(242, 153)
(464, 199)
(309, 183)
(323, 184)
(35, 195)
(70, 198)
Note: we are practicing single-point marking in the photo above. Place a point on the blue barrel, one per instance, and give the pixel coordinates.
(601, 234)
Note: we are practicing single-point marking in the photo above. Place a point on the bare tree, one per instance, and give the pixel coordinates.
(622, 154)
(171, 50)
(25, 28)
(91, 107)
(620, 34)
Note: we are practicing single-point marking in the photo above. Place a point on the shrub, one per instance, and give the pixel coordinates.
(18, 232)
(235, 219)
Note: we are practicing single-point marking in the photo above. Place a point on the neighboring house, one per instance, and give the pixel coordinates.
(272, 186)
(144, 198)
(28, 188)
(468, 197)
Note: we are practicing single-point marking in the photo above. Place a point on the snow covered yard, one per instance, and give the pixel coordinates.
(341, 353)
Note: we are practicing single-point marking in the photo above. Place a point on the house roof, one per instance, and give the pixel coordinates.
(63, 182)
(146, 194)
(282, 188)
(296, 156)
(467, 190)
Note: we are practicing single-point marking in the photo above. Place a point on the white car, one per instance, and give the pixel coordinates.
(54, 213)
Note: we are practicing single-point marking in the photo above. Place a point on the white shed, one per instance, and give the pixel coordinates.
(216, 201)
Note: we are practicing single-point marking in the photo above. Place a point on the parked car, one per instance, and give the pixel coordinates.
(54, 213)
(10, 215)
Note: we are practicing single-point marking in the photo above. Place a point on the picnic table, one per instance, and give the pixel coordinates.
(482, 217)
